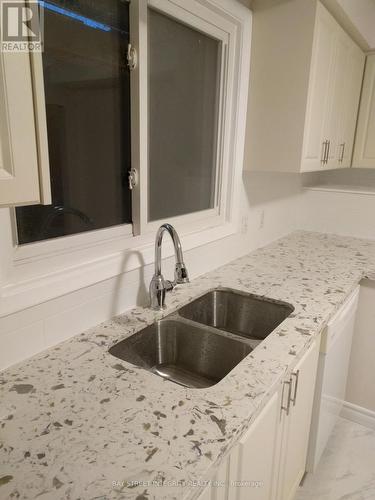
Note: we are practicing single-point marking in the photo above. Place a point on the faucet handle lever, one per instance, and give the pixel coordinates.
(169, 285)
(181, 273)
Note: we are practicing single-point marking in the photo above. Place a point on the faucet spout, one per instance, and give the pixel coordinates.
(159, 286)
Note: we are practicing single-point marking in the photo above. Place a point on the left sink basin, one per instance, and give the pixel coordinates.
(189, 355)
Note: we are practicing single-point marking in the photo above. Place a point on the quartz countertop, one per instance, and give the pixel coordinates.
(77, 422)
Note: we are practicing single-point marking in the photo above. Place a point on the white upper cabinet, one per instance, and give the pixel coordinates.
(334, 91)
(364, 152)
(23, 181)
(305, 84)
(320, 119)
(348, 92)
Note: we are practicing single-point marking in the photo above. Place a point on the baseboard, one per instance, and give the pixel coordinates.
(358, 415)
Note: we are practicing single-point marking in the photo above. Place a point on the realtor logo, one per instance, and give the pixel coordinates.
(21, 26)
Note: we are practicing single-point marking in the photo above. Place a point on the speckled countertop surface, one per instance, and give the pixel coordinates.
(77, 423)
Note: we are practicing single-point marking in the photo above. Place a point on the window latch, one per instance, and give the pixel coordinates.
(131, 57)
(132, 178)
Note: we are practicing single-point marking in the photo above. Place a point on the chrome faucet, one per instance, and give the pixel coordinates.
(159, 286)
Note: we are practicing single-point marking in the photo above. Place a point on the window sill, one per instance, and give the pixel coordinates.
(23, 293)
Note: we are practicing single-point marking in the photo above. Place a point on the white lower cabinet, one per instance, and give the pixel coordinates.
(218, 490)
(207, 494)
(295, 423)
(269, 461)
(251, 467)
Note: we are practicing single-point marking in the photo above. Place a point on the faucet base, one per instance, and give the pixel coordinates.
(157, 292)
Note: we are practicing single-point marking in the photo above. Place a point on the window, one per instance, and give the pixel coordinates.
(87, 103)
(183, 59)
(178, 119)
(184, 84)
(183, 124)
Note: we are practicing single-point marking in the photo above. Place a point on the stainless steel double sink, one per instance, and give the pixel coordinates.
(198, 345)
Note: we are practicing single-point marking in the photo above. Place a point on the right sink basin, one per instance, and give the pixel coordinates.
(240, 313)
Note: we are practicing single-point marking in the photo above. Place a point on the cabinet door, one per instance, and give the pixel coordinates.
(252, 463)
(349, 83)
(297, 424)
(319, 103)
(207, 494)
(337, 97)
(218, 489)
(20, 182)
(364, 150)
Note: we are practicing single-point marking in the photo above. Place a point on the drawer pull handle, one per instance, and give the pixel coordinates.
(341, 158)
(328, 148)
(287, 407)
(324, 151)
(294, 398)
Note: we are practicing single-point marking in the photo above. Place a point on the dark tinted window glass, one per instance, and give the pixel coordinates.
(183, 82)
(87, 96)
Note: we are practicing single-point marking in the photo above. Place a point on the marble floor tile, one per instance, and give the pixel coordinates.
(347, 468)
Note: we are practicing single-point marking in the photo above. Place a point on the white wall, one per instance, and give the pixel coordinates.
(269, 210)
(362, 15)
(349, 214)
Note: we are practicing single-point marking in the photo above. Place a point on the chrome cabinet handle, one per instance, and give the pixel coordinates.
(287, 407)
(341, 157)
(324, 152)
(296, 375)
(328, 148)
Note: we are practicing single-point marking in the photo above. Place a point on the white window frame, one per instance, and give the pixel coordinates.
(203, 19)
(96, 255)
